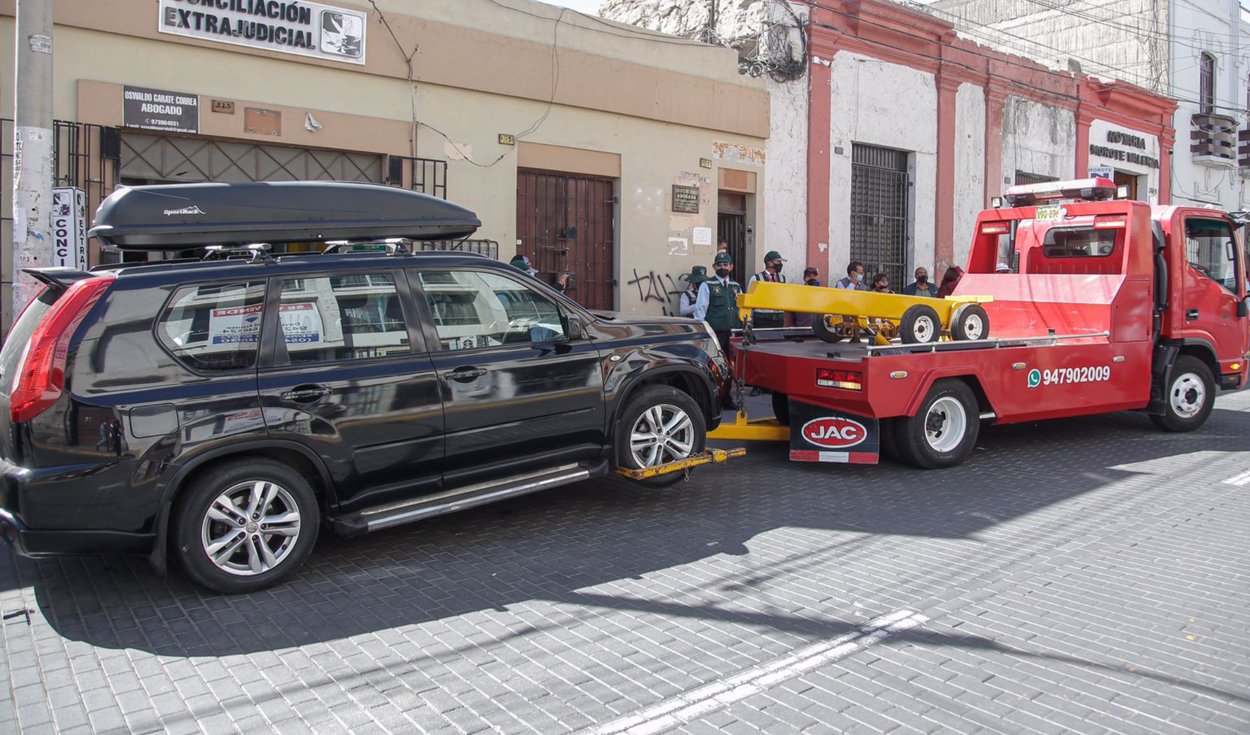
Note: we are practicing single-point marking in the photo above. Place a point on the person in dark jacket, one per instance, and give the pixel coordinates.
(921, 286)
(811, 277)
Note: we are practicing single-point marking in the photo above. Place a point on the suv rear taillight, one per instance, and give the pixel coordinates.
(41, 372)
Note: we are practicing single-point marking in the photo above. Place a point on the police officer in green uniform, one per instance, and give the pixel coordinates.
(717, 302)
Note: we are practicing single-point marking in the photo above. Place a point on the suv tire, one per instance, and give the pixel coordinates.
(245, 525)
(668, 425)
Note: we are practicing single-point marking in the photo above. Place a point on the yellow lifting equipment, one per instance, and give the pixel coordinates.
(709, 456)
(844, 313)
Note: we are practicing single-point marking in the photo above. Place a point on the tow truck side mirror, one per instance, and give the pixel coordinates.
(1243, 309)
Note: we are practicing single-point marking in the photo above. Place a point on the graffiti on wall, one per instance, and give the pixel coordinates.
(660, 288)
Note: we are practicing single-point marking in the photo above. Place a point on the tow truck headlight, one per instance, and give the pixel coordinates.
(844, 379)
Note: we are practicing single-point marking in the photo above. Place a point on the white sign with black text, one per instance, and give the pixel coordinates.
(69, 227)
(286, 26)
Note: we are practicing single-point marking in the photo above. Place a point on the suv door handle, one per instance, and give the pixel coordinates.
(306, 393)
(466, 374)
(1191, 315)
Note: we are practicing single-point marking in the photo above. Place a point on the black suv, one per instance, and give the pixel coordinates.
(225, 408)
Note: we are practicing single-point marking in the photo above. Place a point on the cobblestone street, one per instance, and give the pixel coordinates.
(1087, 575)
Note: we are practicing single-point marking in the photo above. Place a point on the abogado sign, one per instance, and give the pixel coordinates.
(158, 109)
(287, 26)
(69, 227)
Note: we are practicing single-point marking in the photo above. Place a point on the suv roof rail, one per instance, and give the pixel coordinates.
(392, 246)
(252, 252)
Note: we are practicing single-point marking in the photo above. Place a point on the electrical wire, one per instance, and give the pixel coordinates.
(555, 76)
(412, 87)
(1066, 10)
(992, 36)
(655, 36)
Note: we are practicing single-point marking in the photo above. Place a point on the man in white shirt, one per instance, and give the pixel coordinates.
(766, 318)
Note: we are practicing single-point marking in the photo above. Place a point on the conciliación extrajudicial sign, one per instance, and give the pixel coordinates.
(307, 29)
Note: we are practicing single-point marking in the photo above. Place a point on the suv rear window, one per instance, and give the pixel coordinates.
(214, 328)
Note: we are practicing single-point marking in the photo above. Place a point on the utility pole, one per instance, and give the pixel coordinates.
(32, 148)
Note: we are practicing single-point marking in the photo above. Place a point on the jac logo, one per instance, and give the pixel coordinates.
(834, 433)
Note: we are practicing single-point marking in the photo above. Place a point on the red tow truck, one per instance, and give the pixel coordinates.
(1111, 305)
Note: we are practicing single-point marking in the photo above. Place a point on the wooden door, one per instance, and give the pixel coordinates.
(565, 222)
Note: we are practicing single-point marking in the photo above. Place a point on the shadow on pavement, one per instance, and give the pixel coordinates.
(551, 545)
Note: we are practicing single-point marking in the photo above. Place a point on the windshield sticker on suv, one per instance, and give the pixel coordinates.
(1069, 376)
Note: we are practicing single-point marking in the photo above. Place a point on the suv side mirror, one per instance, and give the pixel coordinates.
(574, 326)
(545, 336)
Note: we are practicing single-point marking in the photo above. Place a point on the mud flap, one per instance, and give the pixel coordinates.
(819, 434)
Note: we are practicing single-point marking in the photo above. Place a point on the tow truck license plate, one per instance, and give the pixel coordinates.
(1052, 213)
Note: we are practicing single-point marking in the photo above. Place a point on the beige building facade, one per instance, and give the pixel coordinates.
(621, 155)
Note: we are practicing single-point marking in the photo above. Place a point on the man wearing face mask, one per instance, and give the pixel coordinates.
(854, 280)
(921, 286)
(765, 318)
(717, 302)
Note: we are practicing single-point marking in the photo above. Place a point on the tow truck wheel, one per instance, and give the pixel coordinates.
(826, 333)
(659, 425)
(920, 324)
(970, 322)
(944, 431)
(1189, 397)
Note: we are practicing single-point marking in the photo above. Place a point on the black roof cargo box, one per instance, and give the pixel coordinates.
(179, 216)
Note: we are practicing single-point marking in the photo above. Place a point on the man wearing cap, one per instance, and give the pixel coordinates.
(522, 262)
(811, 277)
(717, 302)
(685, 302)
(764, 318)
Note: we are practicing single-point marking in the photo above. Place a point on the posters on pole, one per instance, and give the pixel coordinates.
(69, 227)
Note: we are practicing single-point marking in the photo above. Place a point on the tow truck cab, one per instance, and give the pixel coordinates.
(1106, 305)
(1173, 275)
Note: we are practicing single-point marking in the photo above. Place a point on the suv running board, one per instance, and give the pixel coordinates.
(450, 501)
